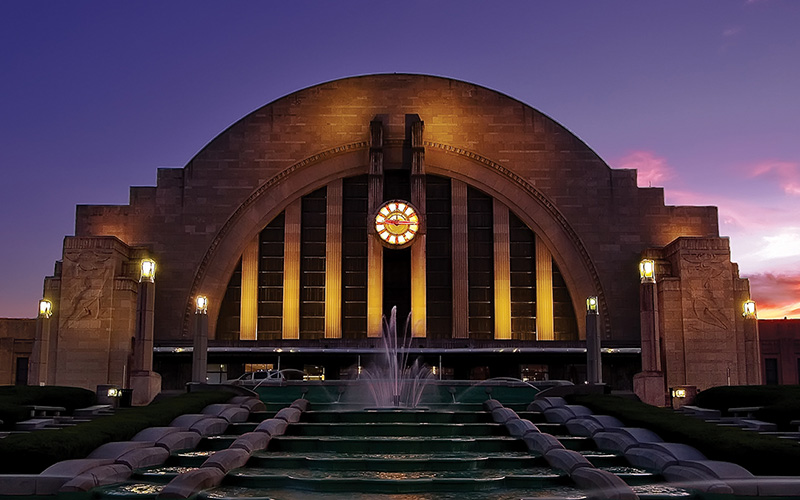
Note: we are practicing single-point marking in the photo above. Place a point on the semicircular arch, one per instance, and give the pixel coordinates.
(272, 197)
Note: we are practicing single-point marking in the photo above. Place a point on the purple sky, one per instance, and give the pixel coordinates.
(702, 97)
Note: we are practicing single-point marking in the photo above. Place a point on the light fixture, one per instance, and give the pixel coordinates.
(749, 309)
(113, 392)
(678, 393)
(591, 305)
(201, 304)
(647, 271)
(148, 271)
(45, 308)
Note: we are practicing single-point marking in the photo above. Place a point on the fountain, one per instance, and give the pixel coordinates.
(390, 380)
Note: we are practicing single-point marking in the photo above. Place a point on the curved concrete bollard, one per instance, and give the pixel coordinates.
(491, 404)
(649, 459)
(696, 479)
(116, 449)
(227, 460)
(230, 412)
(273, 426)
(566, 460)
(290, 415)
(191, 482)
(301, 404)
(589, 425)
(182, 440)
(563, 414)
(144, 457)
(98, 476)
(252, 441)
(503, 415)
(249, 403)
(678, 450)
(602, 484)
(209, 426)
(520, 426)
(613, 441)
(543, 403)
(187, 420)
(153, 434)
(541, 443)
(54, 477)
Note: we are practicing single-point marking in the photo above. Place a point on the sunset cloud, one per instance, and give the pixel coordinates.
(785, 173)
(776, 295)
(652, 170)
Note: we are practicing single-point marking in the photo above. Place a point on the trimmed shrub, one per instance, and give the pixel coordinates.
(761, 455)
(13, 399)
(781, 402)
(33, 452)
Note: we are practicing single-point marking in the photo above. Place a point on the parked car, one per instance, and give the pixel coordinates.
(252, 379)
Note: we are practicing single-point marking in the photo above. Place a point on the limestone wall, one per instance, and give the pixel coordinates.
(324, 131)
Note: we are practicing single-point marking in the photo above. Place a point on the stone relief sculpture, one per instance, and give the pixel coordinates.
(707, 269)
(85, 291)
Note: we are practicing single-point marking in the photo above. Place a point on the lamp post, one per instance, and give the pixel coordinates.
(200, 344)
(41, 345)
(594, 365)
(649, 384)
(752, 342)
(145, 383)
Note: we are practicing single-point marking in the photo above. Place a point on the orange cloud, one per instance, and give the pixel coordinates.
(776, 295)
(652, 169)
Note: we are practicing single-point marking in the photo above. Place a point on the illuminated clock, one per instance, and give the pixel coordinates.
(396, 223)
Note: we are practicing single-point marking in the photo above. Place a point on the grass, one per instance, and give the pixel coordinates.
(781, 402)
(761, 455)
(33, 452)
(14, 398)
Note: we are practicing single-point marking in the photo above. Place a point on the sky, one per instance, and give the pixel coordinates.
(702, 97)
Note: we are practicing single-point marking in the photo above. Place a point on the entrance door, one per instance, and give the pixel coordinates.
(22, 372)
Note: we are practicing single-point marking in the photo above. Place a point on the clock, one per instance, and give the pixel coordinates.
(396, 223)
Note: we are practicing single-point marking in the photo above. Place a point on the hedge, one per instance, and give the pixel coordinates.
(14, 398)
(781, 402)
(761, 455)
(33, 452)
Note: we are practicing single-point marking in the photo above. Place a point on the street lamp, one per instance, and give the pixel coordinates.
(45, 308)
(201, 304)
(749, 309)
(591, 305)
(647, 271)
(148, 271)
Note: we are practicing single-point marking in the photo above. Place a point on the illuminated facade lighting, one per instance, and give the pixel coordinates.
(749, 309)
(148, 271)
(45, 308)
(647, 271)
(201, 305)
(591, 305)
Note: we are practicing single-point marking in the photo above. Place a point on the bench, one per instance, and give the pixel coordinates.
(34, 424)
(744, 411)
(45, 411)
(702, 413)
(93, 411)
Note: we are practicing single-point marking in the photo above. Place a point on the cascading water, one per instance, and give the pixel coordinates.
(390, 380)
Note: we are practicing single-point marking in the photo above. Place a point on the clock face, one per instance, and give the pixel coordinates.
(396, 223)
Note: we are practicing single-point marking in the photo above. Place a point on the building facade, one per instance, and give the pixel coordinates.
(780, 350)
(306, 221)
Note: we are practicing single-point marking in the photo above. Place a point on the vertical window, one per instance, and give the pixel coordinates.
(480, 247)
(771, 371)
(312, 264)
(439, 269)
